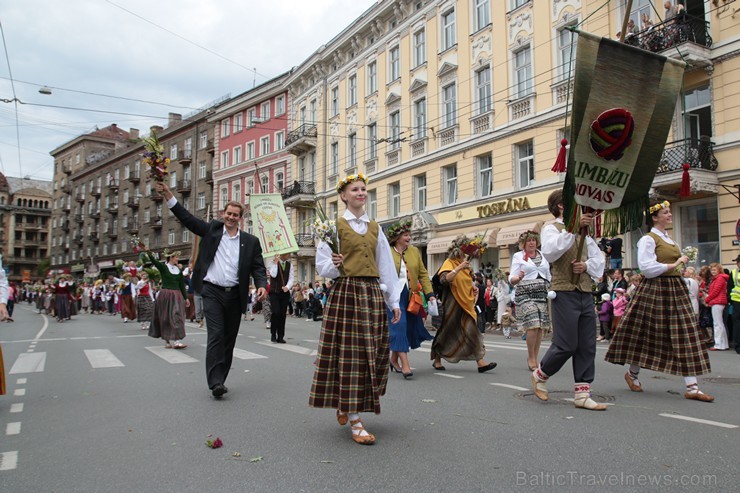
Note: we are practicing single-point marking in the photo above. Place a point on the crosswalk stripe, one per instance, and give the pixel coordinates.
(698, 420)
(290, 347)
(102, 358)
(173, 356)
(29, 363)
(508, 386)
(16, 408)
(242, 354)
(13, 428)
(8, 460)
(447, 375)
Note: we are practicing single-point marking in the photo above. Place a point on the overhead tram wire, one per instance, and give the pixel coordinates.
(15, 102)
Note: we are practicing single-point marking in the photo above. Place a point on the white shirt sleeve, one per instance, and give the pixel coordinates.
(517, 262)
(273, 270)
(387, 271)
(647, 260)
(555, 243)
(171, 202)
(324, 265)
(4, 287)
(291, 278)
(596, 260)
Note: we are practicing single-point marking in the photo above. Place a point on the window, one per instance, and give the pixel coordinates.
(236, 192)
(279, 180)
(251, 115)
(224, 197)
(203, 139)
(641, 10)
(351, 151)
(250, 187)
(279, 140)
(515, 4)
(482, 13)
(186, 236)
(224, 159)
(372, 204)
(420, 48)
(395, 123)
(334, 170)
(523, 73)
(237, 154)
(279, 105)
(420, 193)
(171, 237)
(372, 77)
(484, 166)
(449, 102)
(186, 172)
(302, 115)
(238, 122)
(352, 90)
(126, 171)
(312, 112)
(483, 90)
(202, 169)
(525, 164)
(566, 52)
(224, 127)
(394, 61)
(420, 118)
(334, 101)
(201, 200)
(265, 111)
(188, 148)
(449, 175)
(372, 140)
(449, 38)
(264, 145)
(250, 150)
(394, 199)
(147, 215)
(265, 183)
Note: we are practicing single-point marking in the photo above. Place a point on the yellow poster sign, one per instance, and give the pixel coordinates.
(270, 224)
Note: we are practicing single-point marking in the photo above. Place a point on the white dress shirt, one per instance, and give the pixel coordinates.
(4, 286)
(555, 243)
(531, 270)
(646, 258)
(224, 270)
(383, 258)
(274, 273)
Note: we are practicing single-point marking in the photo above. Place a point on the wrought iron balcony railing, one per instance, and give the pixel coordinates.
(699, 154)
(672, 32)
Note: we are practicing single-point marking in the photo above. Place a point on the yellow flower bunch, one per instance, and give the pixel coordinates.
(349, 179)
(662, 205)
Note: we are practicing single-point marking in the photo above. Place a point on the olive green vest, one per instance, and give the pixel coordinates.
(358, 250)
(562, 269)
(665, 253)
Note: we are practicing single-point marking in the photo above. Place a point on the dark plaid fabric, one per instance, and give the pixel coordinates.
(458, 338)
(659, 331)
(128, 310)
(2, 373)
(352, 365)
(144, 308)
(169, 316)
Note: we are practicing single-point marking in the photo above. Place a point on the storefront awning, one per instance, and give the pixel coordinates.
(441, 244)
(509, 235)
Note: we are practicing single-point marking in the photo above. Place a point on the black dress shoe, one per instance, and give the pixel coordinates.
(489, 366)
(272, 339)
(219, 390)
(281, 341)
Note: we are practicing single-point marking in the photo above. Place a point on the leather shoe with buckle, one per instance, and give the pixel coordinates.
(219, 390)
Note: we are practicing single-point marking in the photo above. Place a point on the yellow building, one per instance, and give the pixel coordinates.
(455, 109)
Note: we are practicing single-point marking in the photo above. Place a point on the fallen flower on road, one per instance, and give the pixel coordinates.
(217, 443)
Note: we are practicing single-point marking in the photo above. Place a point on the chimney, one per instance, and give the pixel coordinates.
(156, 129)
(133, 133)
(173, 118)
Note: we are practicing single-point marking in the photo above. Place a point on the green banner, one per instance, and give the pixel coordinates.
(270, 224)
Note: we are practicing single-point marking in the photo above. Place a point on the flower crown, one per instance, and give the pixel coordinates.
(661, 205)
(167, 254)
(529, 235)
(398, 228)
(349, 179)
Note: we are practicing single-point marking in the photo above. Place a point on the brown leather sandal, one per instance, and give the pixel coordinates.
(342, 418)
(368, 439)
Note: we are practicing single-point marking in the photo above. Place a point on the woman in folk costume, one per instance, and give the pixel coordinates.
(4, 290)
(530, 273)
(61, 300)
(458, 337)
(128, 292)
(409, 332)
(659, 330)
(352, 365)
(168, 322)
(144, 301)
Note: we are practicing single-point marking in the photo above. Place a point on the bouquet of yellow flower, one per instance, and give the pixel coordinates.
(137, 245)
(155, 158)
(474, 248)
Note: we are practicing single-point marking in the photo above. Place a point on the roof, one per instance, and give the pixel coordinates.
(15, 185)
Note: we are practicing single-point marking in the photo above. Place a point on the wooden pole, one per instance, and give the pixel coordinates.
(625, 21)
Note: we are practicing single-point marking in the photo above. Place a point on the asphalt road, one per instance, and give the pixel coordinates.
(95, 405)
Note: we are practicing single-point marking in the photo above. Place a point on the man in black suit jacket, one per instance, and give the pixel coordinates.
(226, 259)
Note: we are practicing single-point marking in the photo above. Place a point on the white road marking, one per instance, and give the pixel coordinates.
(515, 387)
(19, 392)
(290, 347)
(8, 460)
(173, 356)
(16, 408)
(505, 346)
(698, 420)
(43, 327)
(30, 350)
(242, 354)
(447, 375)
(13, 428)
(29, 363)
(102, 358)
(132, 335)
(571, 399)
(21, 381)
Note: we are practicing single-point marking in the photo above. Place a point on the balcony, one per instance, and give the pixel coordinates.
(482, 123)
(66, 207)
(688, 33)
(698, 154)
(112, 209)
(67, 189)
(132, 228)
(300, 194)
(185, 156)
(209, 177)
(155, 222)
(79, 219)
(80, 197)
(67, 169)
(210, 148)
(113, 186)
(133, 202)
(79, 239)
(94, 237)
(184, 186)
(65, 247)
(112, 234)
(37, 226)
(95, 192)
(65, 226)
(134, 176)
(418, 147)
(302, 139)
(156, 197)
(94, 214)
(306, 246)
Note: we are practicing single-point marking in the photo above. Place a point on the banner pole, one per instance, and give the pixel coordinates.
(625, 21)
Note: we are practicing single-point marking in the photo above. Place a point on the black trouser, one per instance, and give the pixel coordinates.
(279, 304)
(736, 324)
(223, 316)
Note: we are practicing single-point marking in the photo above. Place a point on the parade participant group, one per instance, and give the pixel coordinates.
(374, 308)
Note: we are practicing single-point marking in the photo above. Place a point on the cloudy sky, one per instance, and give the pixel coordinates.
(111, 55)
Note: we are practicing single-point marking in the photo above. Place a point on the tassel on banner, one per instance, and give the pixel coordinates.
(559, 166)
(599, 215)
(685, 182)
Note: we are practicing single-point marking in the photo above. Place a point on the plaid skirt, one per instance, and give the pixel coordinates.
(144, 308)
(352, 364)
(659, 331)
(532, 311)
(169, 316)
